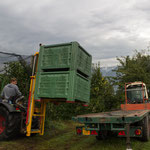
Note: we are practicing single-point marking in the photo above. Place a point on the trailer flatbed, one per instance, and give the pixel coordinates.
(131, 123)
(119, 116)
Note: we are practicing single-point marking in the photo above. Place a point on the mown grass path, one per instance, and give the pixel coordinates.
(61, 136)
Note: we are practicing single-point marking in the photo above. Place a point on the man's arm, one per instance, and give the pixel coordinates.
(18, 91)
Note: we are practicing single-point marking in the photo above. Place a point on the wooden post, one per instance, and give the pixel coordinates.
(128, 142)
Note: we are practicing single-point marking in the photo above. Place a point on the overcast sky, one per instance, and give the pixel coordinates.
(105, 28)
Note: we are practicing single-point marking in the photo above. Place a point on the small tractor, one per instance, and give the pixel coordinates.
(22, 116)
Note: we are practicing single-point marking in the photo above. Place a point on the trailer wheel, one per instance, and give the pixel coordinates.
(9, 124)
(146, 129)
(102, 135)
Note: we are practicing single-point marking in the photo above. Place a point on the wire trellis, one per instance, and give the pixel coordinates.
(6, 57)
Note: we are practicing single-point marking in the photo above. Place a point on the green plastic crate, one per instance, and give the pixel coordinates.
(66, 85)
(69, 56)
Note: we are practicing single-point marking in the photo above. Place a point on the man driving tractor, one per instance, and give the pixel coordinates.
(11, 92)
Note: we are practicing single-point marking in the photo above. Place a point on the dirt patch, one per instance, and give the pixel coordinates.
(2, 148)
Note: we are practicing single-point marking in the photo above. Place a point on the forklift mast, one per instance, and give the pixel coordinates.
(36, 108)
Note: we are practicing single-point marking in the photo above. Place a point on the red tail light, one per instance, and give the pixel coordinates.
(17, 108)
(79, 131)
(85, 105)
(138, 132)
(94, 132)
(121, 133)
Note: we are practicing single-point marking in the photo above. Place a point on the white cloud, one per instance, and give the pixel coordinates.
(105, 28)
(110, 62)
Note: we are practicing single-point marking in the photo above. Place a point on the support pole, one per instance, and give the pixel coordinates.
(128, 142)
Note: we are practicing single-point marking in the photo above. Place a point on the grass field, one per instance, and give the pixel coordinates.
(61, 136)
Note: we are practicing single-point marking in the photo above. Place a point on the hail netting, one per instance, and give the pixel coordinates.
(18, 66)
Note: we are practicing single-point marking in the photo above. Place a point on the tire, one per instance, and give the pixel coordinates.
(103, 135)
(9, 124)
(146, 129)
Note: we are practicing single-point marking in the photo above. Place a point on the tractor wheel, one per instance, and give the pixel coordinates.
(146, 129)
(9, 124)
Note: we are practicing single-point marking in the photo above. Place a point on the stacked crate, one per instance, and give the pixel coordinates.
(64, 72)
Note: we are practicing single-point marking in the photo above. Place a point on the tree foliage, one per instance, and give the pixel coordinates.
(64, 111)
(131, 69)
(102, 93)
(15, 69)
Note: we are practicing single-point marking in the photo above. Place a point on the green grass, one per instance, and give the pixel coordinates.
(61, 136)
